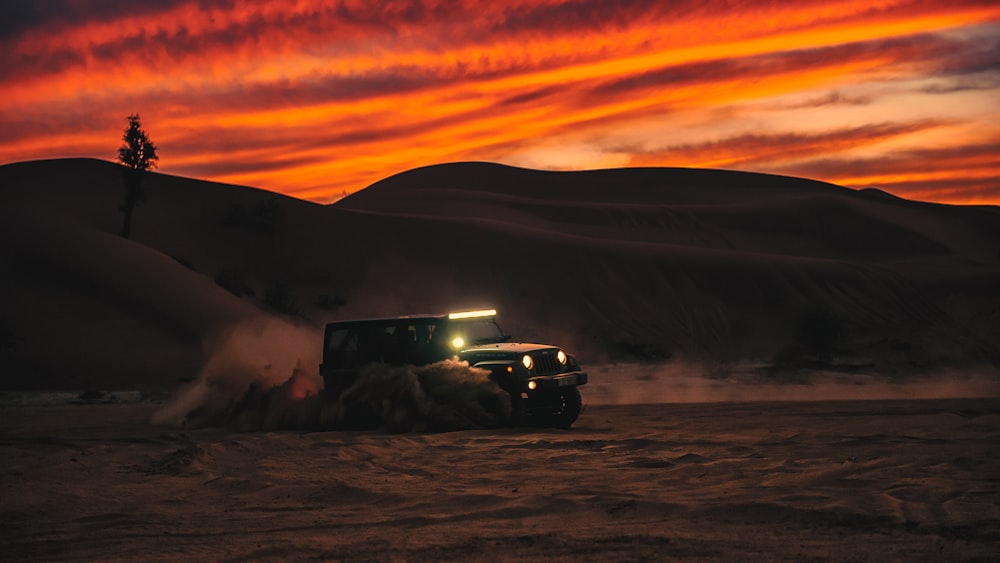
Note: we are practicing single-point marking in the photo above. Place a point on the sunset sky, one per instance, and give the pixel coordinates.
(317, 99)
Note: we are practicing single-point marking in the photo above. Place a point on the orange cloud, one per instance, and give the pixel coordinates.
(316, 98)
(967, 174)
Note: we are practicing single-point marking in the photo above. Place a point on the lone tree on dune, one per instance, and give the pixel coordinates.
(138, 154)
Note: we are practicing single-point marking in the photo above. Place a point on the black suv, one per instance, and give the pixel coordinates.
(542, 380)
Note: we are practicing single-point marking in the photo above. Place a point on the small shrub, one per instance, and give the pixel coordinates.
(265, 215)
(630, 350)
(819, 330)
(279, 298)
(262, 218)
(330, 301)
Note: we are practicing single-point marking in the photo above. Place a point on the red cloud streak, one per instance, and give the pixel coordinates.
(320, 98)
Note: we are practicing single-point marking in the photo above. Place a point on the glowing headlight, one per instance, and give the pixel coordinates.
(532, 385)
(526, 362)
(561, 356)
(458, 342)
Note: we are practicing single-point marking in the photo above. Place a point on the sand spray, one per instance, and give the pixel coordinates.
(263, 375)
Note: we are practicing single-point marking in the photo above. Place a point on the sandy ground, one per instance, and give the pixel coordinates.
(845, 480)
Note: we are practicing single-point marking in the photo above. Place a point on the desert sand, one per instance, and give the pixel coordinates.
(779, 369)
(861, 480)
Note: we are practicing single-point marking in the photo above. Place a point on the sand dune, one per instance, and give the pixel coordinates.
(713, 266)
(704, 263)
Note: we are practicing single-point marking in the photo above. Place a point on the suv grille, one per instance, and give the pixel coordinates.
(546, 362)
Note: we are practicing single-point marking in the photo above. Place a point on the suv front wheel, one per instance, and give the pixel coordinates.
(562, 407)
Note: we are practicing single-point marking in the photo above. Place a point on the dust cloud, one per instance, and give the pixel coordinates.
(255, 356)
(263, 375)
(446, 395)
(679, 381)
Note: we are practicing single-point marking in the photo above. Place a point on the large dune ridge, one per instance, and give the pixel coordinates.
(717, 267)
(715, 262)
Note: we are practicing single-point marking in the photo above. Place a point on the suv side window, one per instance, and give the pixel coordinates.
(393, 342)
(342, 348)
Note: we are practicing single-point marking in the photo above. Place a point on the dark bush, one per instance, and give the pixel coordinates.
(262, 218)
(330, 301)
(819, 330)
(279, 298)
(631, 350)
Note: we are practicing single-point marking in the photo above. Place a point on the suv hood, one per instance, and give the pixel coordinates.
(514, 347)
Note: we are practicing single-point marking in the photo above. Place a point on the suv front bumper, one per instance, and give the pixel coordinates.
(559, 380)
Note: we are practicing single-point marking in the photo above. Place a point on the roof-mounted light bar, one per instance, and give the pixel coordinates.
(473, 314)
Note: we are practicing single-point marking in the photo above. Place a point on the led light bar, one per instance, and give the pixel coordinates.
(473, 314)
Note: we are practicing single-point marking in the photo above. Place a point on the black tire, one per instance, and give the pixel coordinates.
(566, 407)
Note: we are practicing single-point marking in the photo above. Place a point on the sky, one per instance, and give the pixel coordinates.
(318, 99)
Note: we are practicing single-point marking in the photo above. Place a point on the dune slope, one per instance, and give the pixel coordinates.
(623, 264)
(706, 262)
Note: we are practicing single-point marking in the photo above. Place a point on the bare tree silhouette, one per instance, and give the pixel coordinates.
(138, 154)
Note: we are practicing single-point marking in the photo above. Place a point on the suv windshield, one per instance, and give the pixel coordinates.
(478, 331)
